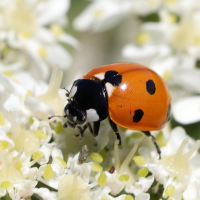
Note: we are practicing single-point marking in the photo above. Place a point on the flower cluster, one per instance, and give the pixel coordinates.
(31, 33)
(40, 159)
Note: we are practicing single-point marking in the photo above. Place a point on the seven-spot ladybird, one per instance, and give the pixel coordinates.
(130, 95)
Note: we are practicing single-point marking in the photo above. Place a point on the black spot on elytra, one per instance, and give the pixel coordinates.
(138, 115)
(112, 77)
(169, 113)
(150, 86)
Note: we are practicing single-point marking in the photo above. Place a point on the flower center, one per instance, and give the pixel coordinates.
(21, 19)
(178, 164)
(186, 35)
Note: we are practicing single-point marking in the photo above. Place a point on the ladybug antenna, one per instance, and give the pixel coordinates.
(55, 116)
(67, 94)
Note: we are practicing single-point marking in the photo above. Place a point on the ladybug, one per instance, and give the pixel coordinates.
(129, 95)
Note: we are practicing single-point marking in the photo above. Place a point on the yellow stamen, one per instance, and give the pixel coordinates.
(96, 157)
(19, 165)
(128, 197)
(48, 172)
(143, 172)
(169, 191)
(124, 177)
(64, 164)
(26, 34)
(28, 94)
(2, 119)
(5, 184)
(42, 52)
(140, 160)
(8, 73)
(172, 18)
(167, 75)
(31, 120)
(97, 168)
(142, 38)
(102, 179)
(56, 29)
(161, 139)
(41, 134)
(197, 40)
(59, 128)
(3, 145)
(37, 155)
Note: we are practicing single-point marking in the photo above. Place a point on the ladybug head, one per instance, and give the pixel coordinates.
(74, 113)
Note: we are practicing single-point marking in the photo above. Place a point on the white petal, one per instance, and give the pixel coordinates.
(50, 11)
(57, 55)
(192, 192)
(113, 183)
(187, 79)
(39, 109)
(143, 196)
(68, 39)
(145, 182)
(187, 110)
(2, 192)
(45, 194)
(99, 16)
(56, 153)
(25, 188)
(132, 51)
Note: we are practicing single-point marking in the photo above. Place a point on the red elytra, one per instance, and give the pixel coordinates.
(141, 101)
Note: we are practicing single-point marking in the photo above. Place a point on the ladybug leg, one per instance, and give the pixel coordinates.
(147, 133)
(81, 130)
(65, 125)
(90, 127)
(96, 126)
(78, 128)
(115, 129)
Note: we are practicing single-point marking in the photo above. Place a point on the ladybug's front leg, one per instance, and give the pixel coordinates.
(147, 133)
(96, 126)
(115, 129)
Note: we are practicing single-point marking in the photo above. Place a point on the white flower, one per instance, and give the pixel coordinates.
(32, 29)
(12, 179)
(50, 102)
(102, 15)
(27, 139)
(50, 174)
(192, 191)
(174, 170)
(73, 187)
(187, 110)
(84, 170)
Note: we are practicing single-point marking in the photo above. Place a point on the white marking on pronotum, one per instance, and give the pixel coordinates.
(100, 76)
(109, 88)
(73, 91)
(74, 118)
(92, 115)
(67, 112)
